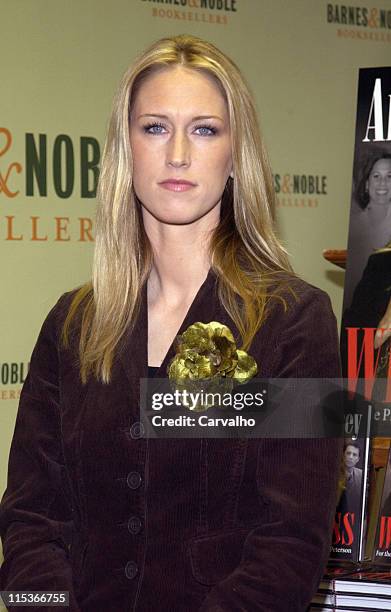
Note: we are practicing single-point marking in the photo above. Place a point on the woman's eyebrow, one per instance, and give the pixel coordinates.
(198, 118)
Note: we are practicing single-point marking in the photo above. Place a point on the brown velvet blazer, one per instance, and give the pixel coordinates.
(125, 523)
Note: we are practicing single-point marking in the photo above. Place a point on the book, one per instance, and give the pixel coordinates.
(370, 214)
(367, 288)
(336, 601)
(367, 295)
(376, 484)
(382, 547)
(348, 538)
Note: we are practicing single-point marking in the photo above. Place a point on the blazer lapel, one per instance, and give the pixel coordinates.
(133, 354)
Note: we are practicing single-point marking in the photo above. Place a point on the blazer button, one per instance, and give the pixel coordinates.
(133, 480)
(134, 525)
(131, 570)
(137, 430)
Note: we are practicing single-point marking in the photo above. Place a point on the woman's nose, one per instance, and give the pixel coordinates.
(178, 150)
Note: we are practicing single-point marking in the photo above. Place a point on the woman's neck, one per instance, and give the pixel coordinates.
(175, 280)
(378, 211)
(181, 260)
(181, 265)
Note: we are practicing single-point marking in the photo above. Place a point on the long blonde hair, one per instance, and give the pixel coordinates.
(244, 250)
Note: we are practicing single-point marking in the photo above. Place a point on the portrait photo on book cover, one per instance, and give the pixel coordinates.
(353, 453)
(370, 217)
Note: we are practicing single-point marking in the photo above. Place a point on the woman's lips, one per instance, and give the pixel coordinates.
(177, 185)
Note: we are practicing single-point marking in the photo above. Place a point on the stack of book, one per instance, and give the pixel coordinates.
(357, 589)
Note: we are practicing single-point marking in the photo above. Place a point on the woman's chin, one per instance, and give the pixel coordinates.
(381, 201)
(177, 217)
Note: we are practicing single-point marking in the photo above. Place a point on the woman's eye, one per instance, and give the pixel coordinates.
(154, 128)
(206, 130)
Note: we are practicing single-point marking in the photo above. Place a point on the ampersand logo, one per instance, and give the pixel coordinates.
(14, 166)
(373, 20)
(286, 183)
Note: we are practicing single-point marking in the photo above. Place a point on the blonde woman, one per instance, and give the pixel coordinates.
(184, 234)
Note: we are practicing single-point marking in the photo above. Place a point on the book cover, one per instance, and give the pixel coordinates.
(367, 298)
(367, 289)
(382, 548)
(348, 539)
(376, 485)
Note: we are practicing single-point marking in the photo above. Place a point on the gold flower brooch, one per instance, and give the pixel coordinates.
(207, 352)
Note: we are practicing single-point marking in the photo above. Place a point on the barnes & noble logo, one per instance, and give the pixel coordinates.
(62, 152)
(376, 21)
(12, 373)
(61, 168)
(299, 190)
(201, 10)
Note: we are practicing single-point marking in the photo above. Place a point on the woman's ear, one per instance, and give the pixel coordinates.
(231, 174)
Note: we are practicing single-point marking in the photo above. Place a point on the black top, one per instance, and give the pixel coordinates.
(152, 371)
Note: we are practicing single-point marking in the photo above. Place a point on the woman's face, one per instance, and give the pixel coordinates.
(179, 131)
(379, 182)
